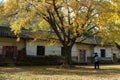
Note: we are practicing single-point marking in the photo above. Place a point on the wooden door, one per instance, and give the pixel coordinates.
(82, 56)
(9, 51)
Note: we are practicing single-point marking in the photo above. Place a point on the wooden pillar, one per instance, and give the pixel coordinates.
(78, 56)
(15, 51)
(3, 51)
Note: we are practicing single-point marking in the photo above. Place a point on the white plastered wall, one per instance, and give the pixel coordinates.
(55, 49)
(116, 51)
(88, 49)
(77, 47)
(31, 48)
(107, 49)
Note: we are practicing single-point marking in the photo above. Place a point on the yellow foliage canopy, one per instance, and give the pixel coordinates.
(69, 19)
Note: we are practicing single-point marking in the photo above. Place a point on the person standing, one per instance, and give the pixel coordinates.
(96, 61)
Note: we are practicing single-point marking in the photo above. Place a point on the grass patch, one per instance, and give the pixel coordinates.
(106, 72)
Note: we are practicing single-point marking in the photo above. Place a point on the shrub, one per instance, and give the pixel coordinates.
(42, 60)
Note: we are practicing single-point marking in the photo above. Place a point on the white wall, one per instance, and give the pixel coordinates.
(107, 49)
(56, 49)
(11, 42)
(88, 48)
(53, 50)
(74, 51)
(77, 47)
(116, 51)
(31, 48)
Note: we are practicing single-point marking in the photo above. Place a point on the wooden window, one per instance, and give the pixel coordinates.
(40, 50)
(9, 51)
(103, 53)
(62, 51)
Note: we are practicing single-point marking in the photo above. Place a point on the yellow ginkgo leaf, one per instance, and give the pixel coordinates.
(18, 39)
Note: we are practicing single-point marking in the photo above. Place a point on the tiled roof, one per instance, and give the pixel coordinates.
(27, 34)
(117, 45)
(6, 32)
(89, 40)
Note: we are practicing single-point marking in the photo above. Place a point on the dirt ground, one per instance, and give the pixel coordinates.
(106, 72)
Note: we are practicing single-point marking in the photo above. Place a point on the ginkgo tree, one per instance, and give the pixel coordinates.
(112, 29)
(68, 19)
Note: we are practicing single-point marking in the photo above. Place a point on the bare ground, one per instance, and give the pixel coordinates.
(106, 72)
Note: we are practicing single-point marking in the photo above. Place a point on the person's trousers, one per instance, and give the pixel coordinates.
(96, 65)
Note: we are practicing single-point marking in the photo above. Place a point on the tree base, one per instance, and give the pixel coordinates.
(66, 66)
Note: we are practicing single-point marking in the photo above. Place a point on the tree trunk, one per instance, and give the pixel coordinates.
(68, 58)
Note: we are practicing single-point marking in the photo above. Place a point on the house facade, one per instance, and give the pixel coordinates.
(81, 52)
(10, 47)
(116, 54)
